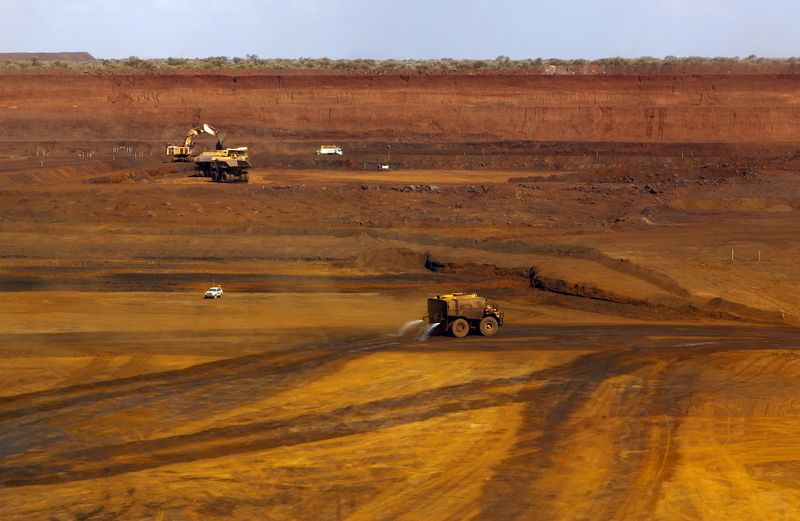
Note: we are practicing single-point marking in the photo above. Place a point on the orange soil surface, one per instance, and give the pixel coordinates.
(647, 368)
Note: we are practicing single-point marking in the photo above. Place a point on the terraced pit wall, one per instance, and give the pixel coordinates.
(426, 109)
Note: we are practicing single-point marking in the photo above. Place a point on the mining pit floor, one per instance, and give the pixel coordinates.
(649, 367)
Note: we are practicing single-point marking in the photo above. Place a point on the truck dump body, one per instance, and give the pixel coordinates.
(226, 165)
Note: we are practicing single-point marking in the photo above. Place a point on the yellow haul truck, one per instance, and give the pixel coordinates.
(228, 165)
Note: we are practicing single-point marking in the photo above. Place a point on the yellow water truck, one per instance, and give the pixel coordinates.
(460, 313)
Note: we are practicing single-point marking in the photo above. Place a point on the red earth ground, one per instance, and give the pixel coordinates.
(640, 232)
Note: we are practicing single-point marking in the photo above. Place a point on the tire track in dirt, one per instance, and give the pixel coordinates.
(554, 398)
(643, 420)
(136, 365)
(102, 461)
(96, 366)
(45, 419)
(567, 389)
(664, 404)
(165, 381)
(40, 419)
(512, 494)
(745, 485)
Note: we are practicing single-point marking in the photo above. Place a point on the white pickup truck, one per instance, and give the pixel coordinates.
(329, 150)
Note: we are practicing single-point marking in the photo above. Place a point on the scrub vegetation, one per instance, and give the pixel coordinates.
(643, 65)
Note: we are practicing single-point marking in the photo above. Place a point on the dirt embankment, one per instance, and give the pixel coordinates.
(457, 108)
(571, 293)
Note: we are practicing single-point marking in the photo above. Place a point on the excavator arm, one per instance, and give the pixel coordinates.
(183, 152)
(205, 128)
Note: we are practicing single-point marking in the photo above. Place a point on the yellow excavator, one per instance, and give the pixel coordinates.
(224, 165)
(184, 152)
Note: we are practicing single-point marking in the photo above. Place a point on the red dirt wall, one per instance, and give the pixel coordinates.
(659, 109)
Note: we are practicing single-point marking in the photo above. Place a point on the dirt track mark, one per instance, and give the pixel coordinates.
(60, 415)
(643, 417)
(167, 381)
(89, 372)
(555, 397)
(566, 390)
(256, 436)
(136, 365)
(666, 403)
(511, 494)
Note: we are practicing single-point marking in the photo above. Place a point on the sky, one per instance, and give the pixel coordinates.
(403, 29)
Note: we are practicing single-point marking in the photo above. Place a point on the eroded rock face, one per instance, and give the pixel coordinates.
(655, 109)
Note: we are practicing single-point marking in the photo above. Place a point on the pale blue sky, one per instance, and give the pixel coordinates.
(403, 29)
